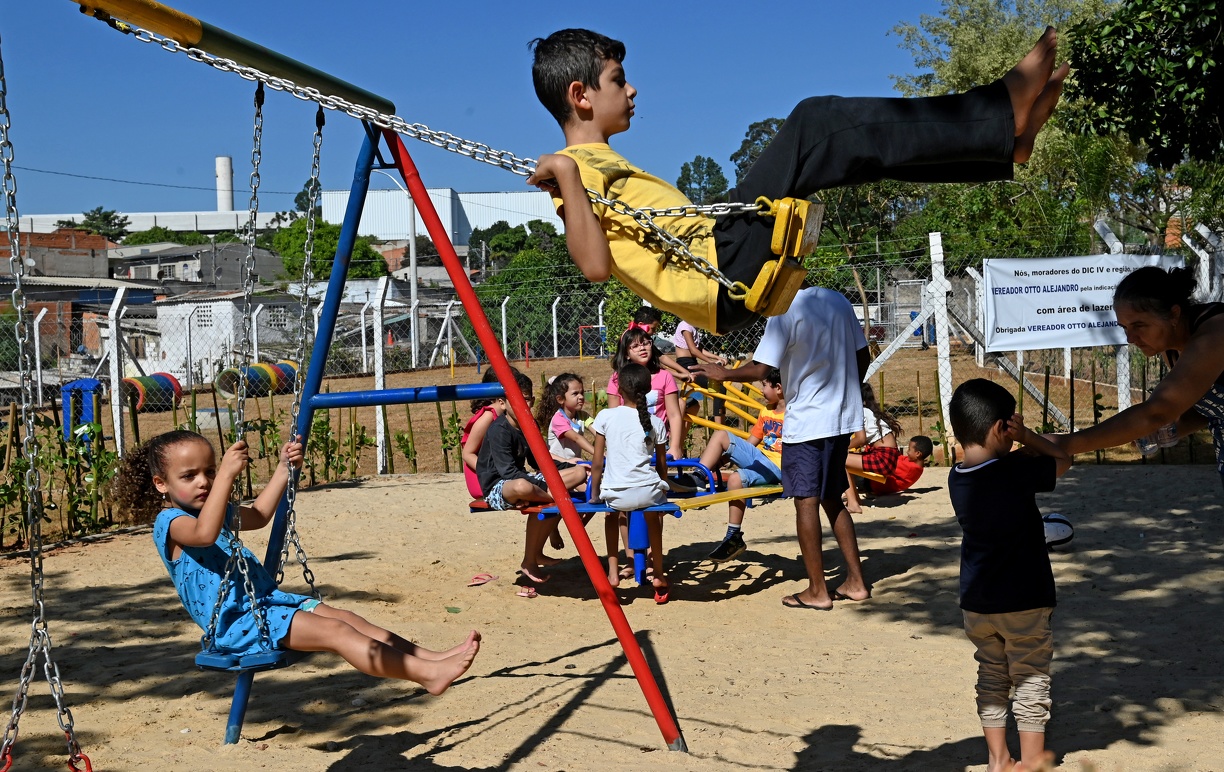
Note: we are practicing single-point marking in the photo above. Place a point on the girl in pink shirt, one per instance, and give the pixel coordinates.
(637, 347)
(560, 410)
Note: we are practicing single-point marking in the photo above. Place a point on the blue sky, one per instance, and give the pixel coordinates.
(86, 100)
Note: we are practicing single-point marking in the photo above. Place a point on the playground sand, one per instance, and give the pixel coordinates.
(881, 685)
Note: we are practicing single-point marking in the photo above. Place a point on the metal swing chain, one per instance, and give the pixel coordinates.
(237, 558)
(40, 636)
(291, 489)
(674, 248)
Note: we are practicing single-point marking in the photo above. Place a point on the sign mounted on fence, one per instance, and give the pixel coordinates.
(1057, 302)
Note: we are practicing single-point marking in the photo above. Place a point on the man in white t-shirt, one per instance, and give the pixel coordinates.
(820, 349)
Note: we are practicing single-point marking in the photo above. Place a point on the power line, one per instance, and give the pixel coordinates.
(135, 182)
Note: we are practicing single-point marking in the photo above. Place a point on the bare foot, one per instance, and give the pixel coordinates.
(545, 560)
(614, 573)
(1043, 108)
(805, 600)
(435, 656)
(1026, 80)
(1003, 766)
(438, 675)
(556, 541)
(533, 574)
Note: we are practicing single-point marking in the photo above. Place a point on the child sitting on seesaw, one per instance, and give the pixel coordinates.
(825, 142)
(506, 483)
(561, 417)
(900, 470)
(173, 481)
(621, 471)
(754, 467)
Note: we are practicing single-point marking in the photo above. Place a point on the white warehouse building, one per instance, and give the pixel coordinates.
(388, 214)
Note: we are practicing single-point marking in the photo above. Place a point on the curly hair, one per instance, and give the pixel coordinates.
(550, 403)
(136, 496)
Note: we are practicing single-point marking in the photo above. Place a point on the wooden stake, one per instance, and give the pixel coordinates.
(918, 377)
(132, 412)
(411, 438)
(441, 436)
(8, 436)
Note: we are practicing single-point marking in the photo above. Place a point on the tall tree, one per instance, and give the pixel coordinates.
(1152, 70)
(157, 234)
(702, 181)
(103, 222)
(757, 137)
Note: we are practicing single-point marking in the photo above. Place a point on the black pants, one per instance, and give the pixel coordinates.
(828, 142)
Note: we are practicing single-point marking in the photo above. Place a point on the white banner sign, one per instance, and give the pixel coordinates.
(1057, 302)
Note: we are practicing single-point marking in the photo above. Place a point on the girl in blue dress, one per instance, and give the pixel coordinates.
(174, 481)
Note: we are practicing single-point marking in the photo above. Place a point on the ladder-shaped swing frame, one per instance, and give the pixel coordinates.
(396, 157)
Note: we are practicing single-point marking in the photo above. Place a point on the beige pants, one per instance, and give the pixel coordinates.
(1013, 653)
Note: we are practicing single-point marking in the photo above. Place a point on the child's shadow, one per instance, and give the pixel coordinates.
(840, 747)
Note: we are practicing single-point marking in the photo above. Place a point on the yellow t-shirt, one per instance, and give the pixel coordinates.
(635, 253)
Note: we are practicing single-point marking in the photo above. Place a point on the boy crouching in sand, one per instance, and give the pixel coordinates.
(1006, 583)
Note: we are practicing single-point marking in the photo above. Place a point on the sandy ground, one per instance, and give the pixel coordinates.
(882, 685)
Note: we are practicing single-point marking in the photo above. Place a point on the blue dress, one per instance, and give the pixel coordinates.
(1211, 404)
(197, 575)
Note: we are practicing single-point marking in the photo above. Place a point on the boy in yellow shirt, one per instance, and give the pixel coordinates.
(826, 142)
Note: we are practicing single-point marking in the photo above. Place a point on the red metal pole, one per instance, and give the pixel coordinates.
(497, 360)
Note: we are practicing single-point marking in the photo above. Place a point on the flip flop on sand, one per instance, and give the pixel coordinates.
(527, 592)
(480, 579)
(800, 604)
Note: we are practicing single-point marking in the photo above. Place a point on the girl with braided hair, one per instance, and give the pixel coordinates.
(626, 436)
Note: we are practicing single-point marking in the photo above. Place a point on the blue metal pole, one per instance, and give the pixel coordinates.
(242, 693)
(407, 396)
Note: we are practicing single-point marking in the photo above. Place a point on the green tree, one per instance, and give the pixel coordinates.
(758, 136)
(104, 222)
(539, 270)
(1151, 70)
(493, 262)
(302, 200)
(702, 181)
(290, 244)
(157, 234)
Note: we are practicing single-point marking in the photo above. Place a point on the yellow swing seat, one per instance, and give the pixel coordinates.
(796, 231)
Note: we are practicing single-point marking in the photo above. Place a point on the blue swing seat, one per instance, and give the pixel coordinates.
(254, 662)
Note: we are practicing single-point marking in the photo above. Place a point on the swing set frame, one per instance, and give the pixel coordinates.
(382, 149)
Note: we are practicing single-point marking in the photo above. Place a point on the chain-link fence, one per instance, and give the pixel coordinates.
(172, 362)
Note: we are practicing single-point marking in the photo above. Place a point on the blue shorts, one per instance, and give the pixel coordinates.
(494, 497)
(816, 468)
(755, 468)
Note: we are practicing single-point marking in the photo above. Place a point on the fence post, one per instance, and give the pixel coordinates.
(414, 310)
(602, 332)
(939, 294)
(116, 368)
(38, 378)
(979, 316)
(505, 350)
(380, 371)
(317, 310)
(443, 330)
(255, 333)
(554, 317)
(365, 343)
(1122, 356)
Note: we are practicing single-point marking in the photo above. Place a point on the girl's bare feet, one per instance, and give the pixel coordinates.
(435, 656)
(438, 675)
(614, 572)
(1042, 109)
(1028, 78)
(545, 560)
(556, 541)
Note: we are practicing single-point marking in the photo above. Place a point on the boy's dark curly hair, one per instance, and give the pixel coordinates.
(566, 56)
(137, 499)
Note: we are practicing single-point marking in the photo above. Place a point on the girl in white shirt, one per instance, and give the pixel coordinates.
(626, 436)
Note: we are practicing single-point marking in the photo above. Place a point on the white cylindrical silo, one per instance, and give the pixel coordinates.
(225, 184)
